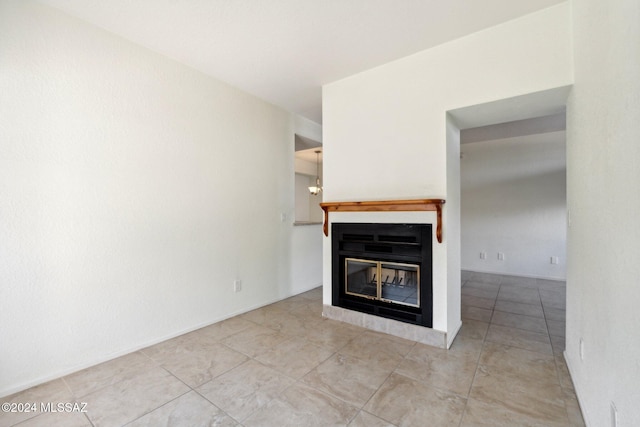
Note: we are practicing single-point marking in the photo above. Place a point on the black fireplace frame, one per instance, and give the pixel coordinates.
(408, 243)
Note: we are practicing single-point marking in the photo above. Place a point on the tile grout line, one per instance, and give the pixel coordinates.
(86, 414)
(555, 360)
(164, 404)
(475, 372)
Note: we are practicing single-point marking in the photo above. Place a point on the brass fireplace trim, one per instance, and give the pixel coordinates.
(378, 266)
(385, 206)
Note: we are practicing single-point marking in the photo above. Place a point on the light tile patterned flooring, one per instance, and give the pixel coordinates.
(284, 365)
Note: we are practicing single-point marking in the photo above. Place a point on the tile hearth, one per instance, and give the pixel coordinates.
(285, 365)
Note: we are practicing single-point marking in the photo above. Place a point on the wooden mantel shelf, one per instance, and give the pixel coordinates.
(385, 206)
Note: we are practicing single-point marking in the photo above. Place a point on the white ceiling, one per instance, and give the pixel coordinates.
(283, 51)
(309, 155)
(517, 128)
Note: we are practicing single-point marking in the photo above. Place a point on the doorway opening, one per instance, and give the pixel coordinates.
(508, 172)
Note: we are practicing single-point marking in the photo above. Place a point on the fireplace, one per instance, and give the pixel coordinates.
(384, 270)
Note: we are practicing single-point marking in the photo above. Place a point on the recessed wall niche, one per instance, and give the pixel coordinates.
(308, 171)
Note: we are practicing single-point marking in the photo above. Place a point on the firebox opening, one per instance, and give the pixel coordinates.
(383, 269)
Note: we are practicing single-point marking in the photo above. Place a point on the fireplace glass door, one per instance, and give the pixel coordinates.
(391, 282)
(362, 278)
(399, 283)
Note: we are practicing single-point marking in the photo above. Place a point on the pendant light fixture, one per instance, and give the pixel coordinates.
(315, 190)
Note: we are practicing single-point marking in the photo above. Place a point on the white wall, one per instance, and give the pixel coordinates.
(305, 167)
(603, 186)
(127, 197)
(302, 196)
(316, 214)
(399, 109)
(307, 207)
(306, 258)
(514, 202)
(307, 128)
(451, 214)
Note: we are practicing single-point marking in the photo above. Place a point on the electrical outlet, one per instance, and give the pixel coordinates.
(554, 260)
(483, 255)
(237, 285)
(501, 256)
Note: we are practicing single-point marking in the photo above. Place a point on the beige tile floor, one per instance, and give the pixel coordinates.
(284, 365)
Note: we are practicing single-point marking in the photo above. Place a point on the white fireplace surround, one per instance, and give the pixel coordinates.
(436, 336)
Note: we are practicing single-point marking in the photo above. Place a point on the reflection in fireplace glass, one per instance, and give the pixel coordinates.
(399, 283)
(362, 278)
(387, 281)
